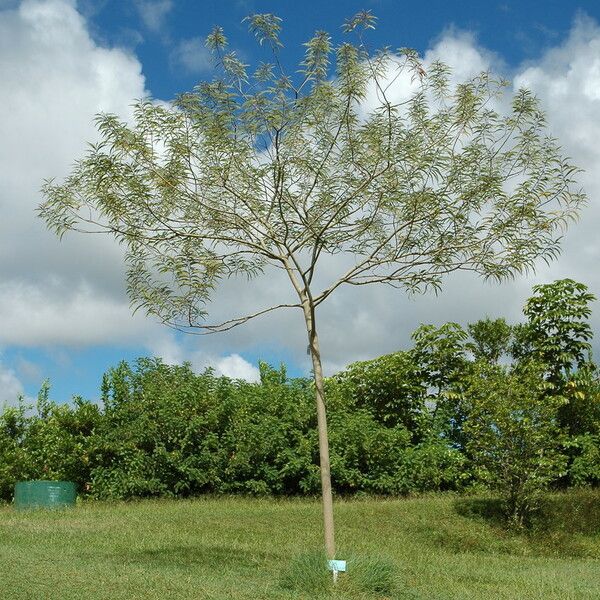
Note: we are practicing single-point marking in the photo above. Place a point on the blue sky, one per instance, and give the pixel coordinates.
(63, 311)
(517, 31)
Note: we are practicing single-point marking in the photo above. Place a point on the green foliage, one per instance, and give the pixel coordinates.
(165, 431)
(426, 419)
(391, 387)
(439, 352)
(490, 339)
(51, 443)
(275, 168)
(14, 460)
(170, 432)
(513, 434)
(557, 332)
(581, 413)
(433, 465)
(585, 466)
(161, 432)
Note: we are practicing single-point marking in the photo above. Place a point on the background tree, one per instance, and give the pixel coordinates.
(269, 169)
(557, 332)
(490, 339)
(513, 435)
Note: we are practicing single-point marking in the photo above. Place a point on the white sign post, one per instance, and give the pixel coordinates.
(337, 566)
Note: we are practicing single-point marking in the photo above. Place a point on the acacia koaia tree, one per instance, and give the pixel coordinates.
(372, 154)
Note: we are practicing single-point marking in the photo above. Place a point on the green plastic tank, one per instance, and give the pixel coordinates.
(44, 494)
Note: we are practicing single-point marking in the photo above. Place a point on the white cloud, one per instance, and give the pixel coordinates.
(165, 346)
(236, 367)
(55, 78)
(192, 56)
(57, 313)
(154, 12)
(460, 50)
(10, 387)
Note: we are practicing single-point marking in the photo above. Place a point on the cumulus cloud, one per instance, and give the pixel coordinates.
(567, 80)
(236, 367)
(59, 314)
(10, 387)
(55, 78)
(165, 345)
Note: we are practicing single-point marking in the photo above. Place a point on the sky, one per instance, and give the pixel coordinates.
(64, 314)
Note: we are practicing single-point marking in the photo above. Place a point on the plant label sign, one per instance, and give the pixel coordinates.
(337, 565)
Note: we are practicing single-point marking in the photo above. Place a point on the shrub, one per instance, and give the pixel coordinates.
(391, 388)
(585, 466)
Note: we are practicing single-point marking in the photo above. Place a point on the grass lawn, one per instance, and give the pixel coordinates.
(439, 547)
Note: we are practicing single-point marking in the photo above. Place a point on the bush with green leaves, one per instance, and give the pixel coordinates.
(168, 431)
(50, 442)
(434, 417)
(159, 434)
(584, 469)
(391, 388)
(14, 460)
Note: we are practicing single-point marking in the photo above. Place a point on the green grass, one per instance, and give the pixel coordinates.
(438, 547)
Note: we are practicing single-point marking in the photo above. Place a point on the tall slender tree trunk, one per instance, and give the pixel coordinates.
(313, 344)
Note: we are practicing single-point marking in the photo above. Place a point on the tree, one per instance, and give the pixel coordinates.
(513, 435)
(557, 331)
(490, 339)
(267, 169)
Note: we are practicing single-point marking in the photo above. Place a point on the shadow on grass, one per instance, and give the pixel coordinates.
(486, 509)
(210, 557)
(567, 524)
(576, 511)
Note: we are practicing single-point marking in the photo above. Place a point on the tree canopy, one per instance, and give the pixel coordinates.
(257, 168)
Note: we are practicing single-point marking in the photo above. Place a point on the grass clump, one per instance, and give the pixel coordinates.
(307, 573)
(367, 576)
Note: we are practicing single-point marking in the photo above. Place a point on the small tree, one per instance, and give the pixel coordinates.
(557, 333)
(270, 169)
(513, 435)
